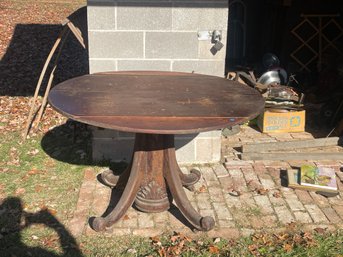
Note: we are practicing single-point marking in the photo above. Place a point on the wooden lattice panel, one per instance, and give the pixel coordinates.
(318, 23)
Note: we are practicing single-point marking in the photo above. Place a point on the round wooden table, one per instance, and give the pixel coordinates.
(156, 106)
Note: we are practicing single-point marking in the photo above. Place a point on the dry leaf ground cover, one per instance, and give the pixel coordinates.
(40, 178)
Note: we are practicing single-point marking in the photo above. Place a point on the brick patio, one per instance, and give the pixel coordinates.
(243, 196)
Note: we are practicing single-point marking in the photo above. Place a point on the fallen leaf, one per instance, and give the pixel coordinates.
(262, 191)
(20, 191)
(126, 217)
(33, 152)
(252, 248)
(155, 239)
(213, 249)
(202, 189)
(162, 252)
(297, 239)
(4, 169)
(291, 226)
(287, 247)
(235, 193)
(33, 172)
(133, 251)
(277, 194)
(174, 238)
(38, 188)
(48, 209)
(282, 236)
(320, 230)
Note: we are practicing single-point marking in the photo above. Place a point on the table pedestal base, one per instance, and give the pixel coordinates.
(153, 172)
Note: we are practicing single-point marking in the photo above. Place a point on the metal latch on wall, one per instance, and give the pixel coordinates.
(215, 36)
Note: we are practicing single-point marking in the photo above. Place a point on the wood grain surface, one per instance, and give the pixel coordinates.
(156, 102)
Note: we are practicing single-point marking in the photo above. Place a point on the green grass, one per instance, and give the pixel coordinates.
(40, 180)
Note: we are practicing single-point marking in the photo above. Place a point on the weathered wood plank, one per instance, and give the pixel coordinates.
(292, 145)
(292, 156)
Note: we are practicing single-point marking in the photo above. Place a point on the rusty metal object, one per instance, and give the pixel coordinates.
(155, 105)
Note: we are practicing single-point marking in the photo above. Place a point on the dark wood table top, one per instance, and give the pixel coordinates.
(156, 102)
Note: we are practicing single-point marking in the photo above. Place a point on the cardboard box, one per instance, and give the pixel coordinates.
(293, 121)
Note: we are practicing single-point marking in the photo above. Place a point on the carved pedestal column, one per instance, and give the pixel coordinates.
(152, 195)
(152, 169)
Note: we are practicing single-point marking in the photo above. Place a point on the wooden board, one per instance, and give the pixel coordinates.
(291, 156)
(292, 145)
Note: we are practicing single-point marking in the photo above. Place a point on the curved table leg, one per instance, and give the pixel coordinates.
(191, 178)
(153, 163)
(174, 182)
(127, 198)
(118, 181)
(187, 180)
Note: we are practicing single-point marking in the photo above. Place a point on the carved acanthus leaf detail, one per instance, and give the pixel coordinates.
(152, 191)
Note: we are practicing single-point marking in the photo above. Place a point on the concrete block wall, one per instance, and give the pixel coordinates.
(194, 148)
(156, 35)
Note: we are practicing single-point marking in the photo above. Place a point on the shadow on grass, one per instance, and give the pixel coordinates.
(13, 220)
(70, 143)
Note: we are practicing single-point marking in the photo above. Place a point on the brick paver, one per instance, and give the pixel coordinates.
(302, 217)
(317, 215)
(243, 197)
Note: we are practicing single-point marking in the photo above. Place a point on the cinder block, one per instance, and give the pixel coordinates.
(144, 65)
(185, 137)
(173, 45)
(208, 67)
(118, 149)
(124, 50)
(210, 134)
(101, 16)
(144, 16)
(207, 150)
(207, 134)
(103, 133)
(126, 135)
(99, 2)
(102, 65)
(112, 44)
(115, 150)
(200, 16)
(185, 151)
(194, 148)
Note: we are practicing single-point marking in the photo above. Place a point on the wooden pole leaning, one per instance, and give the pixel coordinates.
(51, 77)
(33, 101)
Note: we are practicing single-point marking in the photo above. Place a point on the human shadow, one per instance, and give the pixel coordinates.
(14, 220)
